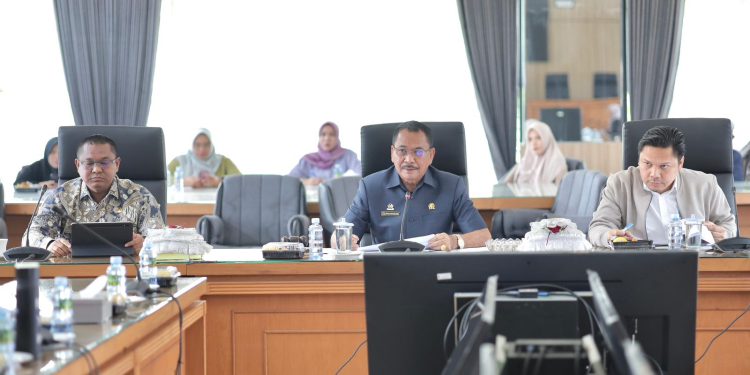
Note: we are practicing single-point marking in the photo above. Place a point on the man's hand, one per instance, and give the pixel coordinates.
(49, 184)
(136, 243)
(717, 231)
(614, 233)
(59, 247)
(443, 241)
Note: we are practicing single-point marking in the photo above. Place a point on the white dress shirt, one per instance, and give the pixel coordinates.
(659, 213)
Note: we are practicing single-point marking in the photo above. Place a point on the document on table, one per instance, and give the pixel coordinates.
(422, 240)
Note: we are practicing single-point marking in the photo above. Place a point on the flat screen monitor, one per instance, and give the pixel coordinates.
(409, 299)
(565, 123)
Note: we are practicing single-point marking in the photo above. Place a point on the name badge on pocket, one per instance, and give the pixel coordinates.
(389, 213)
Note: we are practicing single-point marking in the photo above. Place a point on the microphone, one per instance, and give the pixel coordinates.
(140, 286)
(401, 245)
(27, 252)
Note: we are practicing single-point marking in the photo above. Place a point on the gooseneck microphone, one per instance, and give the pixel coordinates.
(140, 286)
(27, 252)
(402, 245)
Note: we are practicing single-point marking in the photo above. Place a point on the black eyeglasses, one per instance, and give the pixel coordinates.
(103, 164)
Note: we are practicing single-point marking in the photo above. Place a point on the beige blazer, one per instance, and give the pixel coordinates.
(624, 200)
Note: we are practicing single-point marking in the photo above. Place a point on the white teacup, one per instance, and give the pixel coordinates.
(3, 244)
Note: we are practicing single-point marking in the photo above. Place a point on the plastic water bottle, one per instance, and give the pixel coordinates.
(179, 180)
(148, 265)
(61, 324)
(116, 292)
(675, 233)
(315, 238)
(7, 336)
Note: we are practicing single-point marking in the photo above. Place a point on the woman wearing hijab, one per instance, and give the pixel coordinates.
(202, 166)
(329, 162)
(542, 162)
(44, 171)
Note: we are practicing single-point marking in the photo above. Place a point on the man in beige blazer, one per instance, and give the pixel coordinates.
(648, 195)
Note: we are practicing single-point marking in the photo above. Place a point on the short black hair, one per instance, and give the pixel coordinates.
(97, 139)
(664, 137)
(414, 127)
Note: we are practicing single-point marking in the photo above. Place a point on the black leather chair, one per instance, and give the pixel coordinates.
(708, 144)
(577, 198)
(252, 210)
(574, 164)
(448, 138)
(140, 148)
(335, 197)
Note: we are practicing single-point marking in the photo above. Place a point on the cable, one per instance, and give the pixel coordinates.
(450, 323)
(90, 360)
(542, 353)
(178, 369)
(351, 357)
(661, 372)
(721, 333)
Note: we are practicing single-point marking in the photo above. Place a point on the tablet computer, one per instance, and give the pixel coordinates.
(86, 244)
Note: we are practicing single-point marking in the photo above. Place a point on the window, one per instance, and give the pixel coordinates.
(263, 76)
(711, 77)
(33, 94)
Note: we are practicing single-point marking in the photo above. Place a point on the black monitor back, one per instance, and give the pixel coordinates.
(409, 299)
(564, 122)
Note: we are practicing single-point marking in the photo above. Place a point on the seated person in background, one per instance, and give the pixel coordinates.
(329, 162)
(98, 195)
(202, 166)
(649, 194)
(437, 198)
(43, 171)
(542, 161)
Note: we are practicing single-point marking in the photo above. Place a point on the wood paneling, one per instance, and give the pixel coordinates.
(595, 113)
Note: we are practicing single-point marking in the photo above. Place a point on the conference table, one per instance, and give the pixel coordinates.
(145, 340)
(185, 208)
(308, 317)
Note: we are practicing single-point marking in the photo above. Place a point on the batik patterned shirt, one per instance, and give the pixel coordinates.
(126, 201)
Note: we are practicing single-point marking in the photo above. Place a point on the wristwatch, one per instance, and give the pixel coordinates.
(460, 239)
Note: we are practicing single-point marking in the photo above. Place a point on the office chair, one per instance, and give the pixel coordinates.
(574, 164)
(140, 148)
(252, 210)
(577, 198)
(556, 86)
(335, 197)
(708, 143)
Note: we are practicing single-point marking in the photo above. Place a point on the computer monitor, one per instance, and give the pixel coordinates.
(565, 123)
(409, 299)
(626, 353)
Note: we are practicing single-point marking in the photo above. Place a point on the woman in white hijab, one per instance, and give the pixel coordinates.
(542, 162)
(202, 166)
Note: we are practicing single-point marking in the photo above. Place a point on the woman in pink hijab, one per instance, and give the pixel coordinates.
(542, 162)
(329, 162)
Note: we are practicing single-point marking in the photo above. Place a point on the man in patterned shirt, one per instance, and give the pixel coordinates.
(98, 195)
